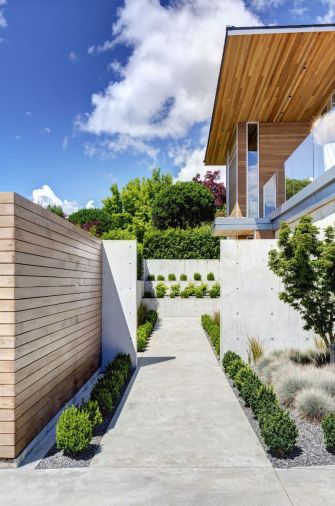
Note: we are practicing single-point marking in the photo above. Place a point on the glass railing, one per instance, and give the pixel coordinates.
(314, 156)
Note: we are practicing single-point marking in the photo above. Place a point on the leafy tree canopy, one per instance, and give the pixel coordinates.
(94, 220)
(294, 186)
(183, 205)
(211, 181)
(56, 210)
(306, 265)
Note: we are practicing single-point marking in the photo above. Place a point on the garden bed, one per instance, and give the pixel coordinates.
(310, 450)
(57, 459)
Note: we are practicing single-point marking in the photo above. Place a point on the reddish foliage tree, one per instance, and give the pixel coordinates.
(211, 181)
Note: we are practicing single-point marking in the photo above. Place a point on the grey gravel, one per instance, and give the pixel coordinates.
(56, 459)
(310, 451)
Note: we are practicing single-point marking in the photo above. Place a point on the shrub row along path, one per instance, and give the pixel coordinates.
(179, 437)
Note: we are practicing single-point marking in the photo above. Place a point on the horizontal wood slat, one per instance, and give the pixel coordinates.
(50, 317)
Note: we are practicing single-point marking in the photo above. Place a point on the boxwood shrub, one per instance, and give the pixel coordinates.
(213, 331)
(172, 277)
(183, 277)
(278, 430)
(73, 430)
(144, 331)
(210, 276)
(328, 427)
(214, 291)
(161, 289)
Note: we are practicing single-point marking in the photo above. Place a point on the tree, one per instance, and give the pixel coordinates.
(306, 265)
(183, 205)
(113, 204)
(56, 210)
(96, 221)
(211, 181)
(294, 186)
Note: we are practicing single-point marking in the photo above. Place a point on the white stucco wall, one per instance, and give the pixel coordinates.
(119, 299)
(250, 306)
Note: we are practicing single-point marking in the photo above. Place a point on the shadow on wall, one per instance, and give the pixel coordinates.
(119, 312)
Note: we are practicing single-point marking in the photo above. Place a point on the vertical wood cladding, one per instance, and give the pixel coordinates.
(277, 141)
(242, 168)
(50, 317)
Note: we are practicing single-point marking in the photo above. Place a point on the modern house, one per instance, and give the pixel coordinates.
(273, 124)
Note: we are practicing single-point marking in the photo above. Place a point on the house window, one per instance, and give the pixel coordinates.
(270, 195)
(252, 170)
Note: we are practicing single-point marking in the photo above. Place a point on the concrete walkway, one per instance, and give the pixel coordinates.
(179, 438)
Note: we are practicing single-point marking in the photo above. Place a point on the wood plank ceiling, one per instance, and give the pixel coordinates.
(270, 77)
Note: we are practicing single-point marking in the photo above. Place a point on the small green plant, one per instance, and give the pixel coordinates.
(328, 427)
(216, 318)
(148, 295)
(214, 291)
(255, 350)
(93, 411)
(144, 331)
(242, 376)
(313, 404)
(184, 294)
(142, 313)
(160, 277)
(73, 430)
(161, 289)
(197, 276)
(175, 290)
(201, 290)
(151, 277)
(265, 402)
(249, 389)
(172, 277)
(279, 432)
(183, 277)
(210, 276)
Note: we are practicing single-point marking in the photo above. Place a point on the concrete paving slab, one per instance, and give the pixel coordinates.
(309, 486)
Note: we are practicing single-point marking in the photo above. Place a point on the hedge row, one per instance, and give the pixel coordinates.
(213, 331)
(173, 243)
(278, 430)
(75, 426)
(146, 324)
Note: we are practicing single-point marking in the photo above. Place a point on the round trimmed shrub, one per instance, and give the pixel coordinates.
(328, 427)
(234, 367)
(228, 357)
(172, 277)
(93, 411)
(183, 277)
(160, 277)
(266, 402)
(249, 390)
(210, 276)
(160, 290)
(242, 376)
(314, 404)
(103, 396)
(197, 276)
(73, 430)
(279, 432)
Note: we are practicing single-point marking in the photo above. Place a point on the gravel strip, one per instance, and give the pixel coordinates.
(56, 459)
(310, 450)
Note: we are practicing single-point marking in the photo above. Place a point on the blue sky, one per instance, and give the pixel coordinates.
(98, 91)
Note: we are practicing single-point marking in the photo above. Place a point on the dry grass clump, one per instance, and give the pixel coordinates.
(314, 403)
(255, 350)
(325, 379)
(290, 381)
(268, 366)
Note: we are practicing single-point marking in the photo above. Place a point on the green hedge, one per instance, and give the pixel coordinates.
(279, 431)
(148, 321)
(213, 331)
(173, 243)
(75, 426)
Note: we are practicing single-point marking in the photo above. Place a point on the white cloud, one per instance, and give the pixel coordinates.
(3, 22)
(324, 129)
(17, 137)
(102, 48)
(65, 142)
(261, 5)
(90, 205)
(73, 57)
(190, 162)
(45, 196)
(168, 83)
(3, 2)
(47, 130)
(122, 143)
(28, 113)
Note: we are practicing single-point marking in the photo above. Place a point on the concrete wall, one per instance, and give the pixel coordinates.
(119, 296)
(178, 267)
(187, 308)
(139, 292)
(250, 306)
(50, 317)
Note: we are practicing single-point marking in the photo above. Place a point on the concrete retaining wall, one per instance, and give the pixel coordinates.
(188, 308)
(119, 299)
(250, 306)
(178, 267)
